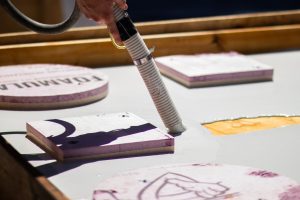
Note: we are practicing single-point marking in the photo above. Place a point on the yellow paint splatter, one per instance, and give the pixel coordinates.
(243, 125)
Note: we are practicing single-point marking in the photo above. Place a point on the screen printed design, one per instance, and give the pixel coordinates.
(195, 181)
(104, 136)
(40, 86)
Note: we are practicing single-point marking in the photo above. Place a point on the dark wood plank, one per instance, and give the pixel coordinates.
(101, 52)
(166, 26)
(19, 180)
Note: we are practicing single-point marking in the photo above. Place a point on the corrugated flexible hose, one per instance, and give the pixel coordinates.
(146, 65)
(137, 49)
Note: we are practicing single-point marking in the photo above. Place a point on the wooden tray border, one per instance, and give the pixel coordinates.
(247, 33)
(164, 26)
(101, 52)
(20, 180)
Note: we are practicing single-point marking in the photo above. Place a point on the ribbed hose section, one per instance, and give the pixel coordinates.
(152, 78)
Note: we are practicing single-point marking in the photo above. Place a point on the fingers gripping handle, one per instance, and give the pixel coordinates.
(142, 58)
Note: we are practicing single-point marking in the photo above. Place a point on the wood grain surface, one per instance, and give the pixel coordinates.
(164, 26)
(101, 52)
(22, 181)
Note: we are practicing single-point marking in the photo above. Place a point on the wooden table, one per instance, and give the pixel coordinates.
(34, 174)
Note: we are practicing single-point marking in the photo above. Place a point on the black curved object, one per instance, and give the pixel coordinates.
(37, 26)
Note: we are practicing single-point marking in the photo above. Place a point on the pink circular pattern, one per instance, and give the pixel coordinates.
(48, 86)
(198, 181)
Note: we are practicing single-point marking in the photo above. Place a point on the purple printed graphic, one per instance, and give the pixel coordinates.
(111, 135)
(263, 173)
(66, 141)
(42, 86)
(180, 187)
(202, 182)
(291, 194)
(173, 186)
(206, 165)
(104, 194)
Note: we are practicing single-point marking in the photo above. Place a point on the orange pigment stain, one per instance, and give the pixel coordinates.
(244, 125)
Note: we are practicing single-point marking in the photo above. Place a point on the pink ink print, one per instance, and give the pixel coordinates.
(173, 186)
(104, 194)
(264, 174)
(291, 194)
(48, 86)
(206, 165)
(201, 182)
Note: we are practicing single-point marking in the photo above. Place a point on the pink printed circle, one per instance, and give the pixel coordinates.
(197, 181)
(48, 86)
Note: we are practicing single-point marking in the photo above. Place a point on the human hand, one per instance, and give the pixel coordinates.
(101, 11)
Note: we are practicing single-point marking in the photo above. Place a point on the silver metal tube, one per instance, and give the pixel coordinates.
(37, 26)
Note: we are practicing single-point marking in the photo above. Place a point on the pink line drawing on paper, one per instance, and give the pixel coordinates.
(263, 174)
(104, 194)
(173, 186)
(206, 165)
(173, 183)
(292, 193)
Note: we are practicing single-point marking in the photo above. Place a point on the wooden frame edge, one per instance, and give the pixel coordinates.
(20, 180)
(101, 52)
(165, 26)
